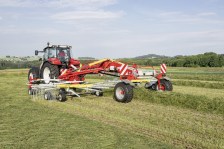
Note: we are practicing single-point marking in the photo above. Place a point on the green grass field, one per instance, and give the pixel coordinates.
(192, 116)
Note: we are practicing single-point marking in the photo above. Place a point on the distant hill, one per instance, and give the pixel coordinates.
(150, 56)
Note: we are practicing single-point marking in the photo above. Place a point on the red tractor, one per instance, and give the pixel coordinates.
(56, 58)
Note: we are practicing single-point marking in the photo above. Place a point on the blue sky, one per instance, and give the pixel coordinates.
(113, 28)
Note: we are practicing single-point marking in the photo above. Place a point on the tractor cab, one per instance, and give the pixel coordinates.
(57, 54)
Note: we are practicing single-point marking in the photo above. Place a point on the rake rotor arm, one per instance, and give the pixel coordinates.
(107, 67)
(104, 66)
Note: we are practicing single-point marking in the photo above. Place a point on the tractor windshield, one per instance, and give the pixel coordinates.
(49, 53)
(63, 54)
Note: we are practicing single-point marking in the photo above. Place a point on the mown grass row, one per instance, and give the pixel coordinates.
(185, 100)
(199, 103)
(203, 77)
(214, 85)
(196, 69)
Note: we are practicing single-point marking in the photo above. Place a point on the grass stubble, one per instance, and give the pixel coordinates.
(182, 119)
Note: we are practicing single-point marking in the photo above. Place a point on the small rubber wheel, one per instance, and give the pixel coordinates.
(123, 92)
(147, 85)
(62, 96)
(99, 93)
(31, 91)
(48, 95)
(153, 87)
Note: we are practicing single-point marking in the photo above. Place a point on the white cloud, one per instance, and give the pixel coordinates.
(78, 4)
(97, 14)
(180, 17)
(81, 4)
(184, 15)
(206, 14)
(14, 30)
(169, 14)
(15, 3)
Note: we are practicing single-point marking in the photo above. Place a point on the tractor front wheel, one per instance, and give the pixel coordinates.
(123, 92)
(49, 71)
(33, 74)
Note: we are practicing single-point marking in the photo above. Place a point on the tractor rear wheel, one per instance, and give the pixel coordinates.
(33, 74)
(49, 71)
(123, 92)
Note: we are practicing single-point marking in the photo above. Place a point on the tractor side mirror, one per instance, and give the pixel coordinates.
(36, 52)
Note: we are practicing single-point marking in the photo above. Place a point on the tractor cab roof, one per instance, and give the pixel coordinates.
(57, 46)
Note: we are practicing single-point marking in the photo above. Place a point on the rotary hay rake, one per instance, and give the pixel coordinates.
(60, 76)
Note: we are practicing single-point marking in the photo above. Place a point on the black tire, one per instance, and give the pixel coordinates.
(48, 95)
(130, 94)
(123, 92)
(53, 71)
(169, 83)
(99, 93)
(154, 87)
(62, 96)
(166, 85)
(33, 73)
(151, 87)
(29, 91)
(32, 91)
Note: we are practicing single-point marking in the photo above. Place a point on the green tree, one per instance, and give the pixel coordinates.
(148, 62)
(213, 61)
(221, 60)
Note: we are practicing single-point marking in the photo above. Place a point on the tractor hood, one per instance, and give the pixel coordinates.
(55, 61)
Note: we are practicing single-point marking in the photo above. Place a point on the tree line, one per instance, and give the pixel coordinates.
(209, 59)
(4, 64)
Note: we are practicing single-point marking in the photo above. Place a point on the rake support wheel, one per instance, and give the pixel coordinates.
(123, 92)
(48, 95)
(165, 85)
(62, 95)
